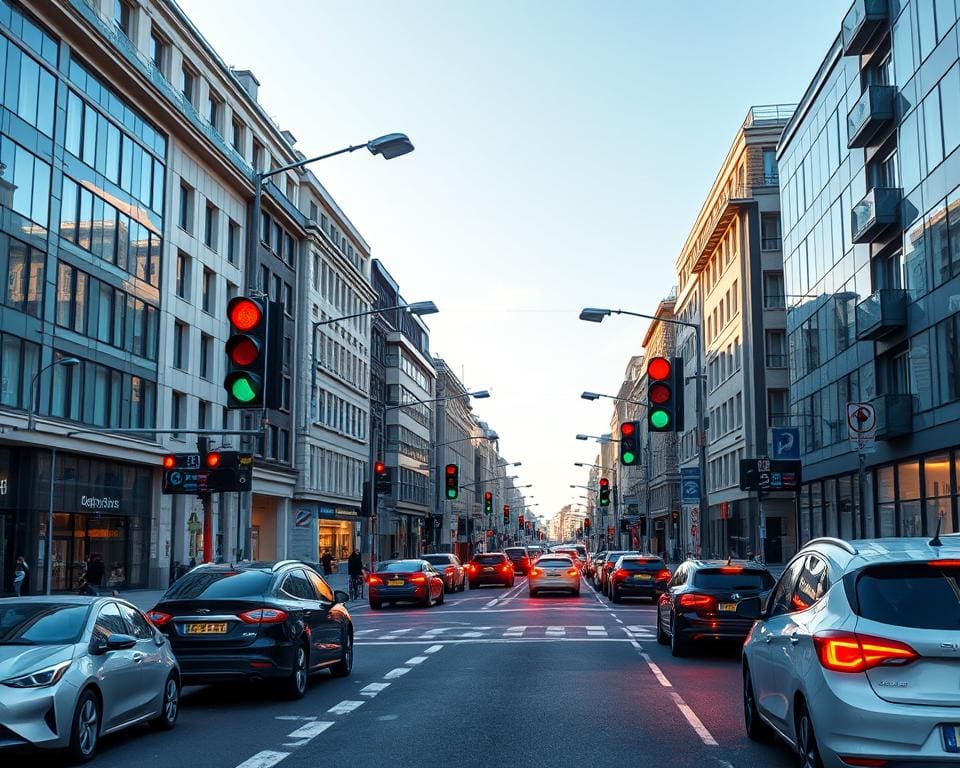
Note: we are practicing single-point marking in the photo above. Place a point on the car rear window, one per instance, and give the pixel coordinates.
(554, 562)
(650, 564)
(400, 566)
(438, 559)
(723, 578)
(209, 584)
(27, 623)
(920, 596)
(489, 559)
(515, 552)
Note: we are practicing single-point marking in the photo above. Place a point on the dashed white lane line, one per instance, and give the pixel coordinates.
(433, 649)
(701, 730)
(309, 730)
(373, 689)
(555, 631)
(491, 603)
(263, 759)
(395, 673)
(431, 633)
(397, 632)
(416, 660)
(345, 707)
(661, 678)
(515, 631)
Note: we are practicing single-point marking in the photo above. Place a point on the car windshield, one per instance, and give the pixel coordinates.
(612, 557)
(488, 559)
(648, 564)
(438, 559)
(732, 578)
(554, 562)
(400, 566)
(920, 596)
(211, 585)
(35, 623)
(515, 553)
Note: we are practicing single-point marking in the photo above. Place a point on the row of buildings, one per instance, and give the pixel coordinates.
(128, 157)
(822, 270)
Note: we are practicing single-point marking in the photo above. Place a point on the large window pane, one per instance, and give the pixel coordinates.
(29, 84)
(64, 294)
(932, 129)
(948, 358)
(936, 475)
(909, 480)
(950, 108)
(10, 371)
(17, 275)
(910, 518)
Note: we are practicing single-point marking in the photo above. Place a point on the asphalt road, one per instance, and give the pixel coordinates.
(491, 677)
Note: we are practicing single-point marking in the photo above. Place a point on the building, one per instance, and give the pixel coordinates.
(730, 275)
(870, 179)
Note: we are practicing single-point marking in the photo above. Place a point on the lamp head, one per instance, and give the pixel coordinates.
(422, 308)
(590, 396)
(68, 361)
(390, 146)
(583, 437)
(593, 314)
(482, 394)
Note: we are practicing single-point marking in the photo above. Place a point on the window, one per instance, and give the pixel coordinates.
(233, 241)
(180, 336)
(211, 218)
(177, 411)
(771, 176)
(185, 213)
(209, 290)
(214, 109)
(236, 135)
(206, 353)
(258, 156)
(123, 17)
(23, 288)
(773, 295)
(770, 231)
(188, 83)
(776, 342)
(778, 407)
(159, 48)
(183, 275)
(948, 358)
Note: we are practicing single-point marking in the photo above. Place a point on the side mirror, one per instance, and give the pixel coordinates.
(117, 642)
(339, 596)
(750, 608)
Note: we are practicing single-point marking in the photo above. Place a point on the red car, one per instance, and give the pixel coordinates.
(490, 568)
(407, 581)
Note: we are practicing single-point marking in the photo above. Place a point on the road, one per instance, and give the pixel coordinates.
(491, 677)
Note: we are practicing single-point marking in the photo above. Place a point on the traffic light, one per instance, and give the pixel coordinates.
(665, 394)
(488, 502)
(520, 521)
(453, 481)
(604, 492)
(381, 474)
(254, 353)
(506, 514)
(586, 525)
(629, 448)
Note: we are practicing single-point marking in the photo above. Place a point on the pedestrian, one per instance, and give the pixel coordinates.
(327, 562)
(94, 575)
(20, 571)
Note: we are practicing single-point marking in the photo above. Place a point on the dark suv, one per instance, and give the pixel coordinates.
(520, 558)
(256, 621)
(490, 568)
(638, 576)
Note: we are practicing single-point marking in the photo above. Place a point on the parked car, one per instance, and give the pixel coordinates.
(65, 669)
(702, 600)
(450, 567)
(554, 572)
(853, 657)
(405, 581)
(490, 568)
(278, 622)
(520, 558)
(638, 576)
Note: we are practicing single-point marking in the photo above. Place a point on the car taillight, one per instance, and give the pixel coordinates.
(573, 572)
(158, 618)
(505, 567)
(470, 567)
(698, 602)
(851, 652)
(263, 616)
(731, 569)
(450, 570)
(864, 762)
(417, 578)
(619, 575)
(944, 563)
(536, 572)
(374, 581)
(663, 575)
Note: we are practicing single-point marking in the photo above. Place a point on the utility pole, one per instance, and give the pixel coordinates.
(206, 501)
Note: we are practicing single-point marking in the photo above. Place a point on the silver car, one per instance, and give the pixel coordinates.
(73, 669)
(554, 572)
(855, 658)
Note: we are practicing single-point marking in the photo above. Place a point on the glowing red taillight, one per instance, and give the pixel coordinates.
(698, 602)
(417, 578)
(450, 570)
(573, 572)
(851, 652)
(731, 569)
(663, 575)
(505, 567)
(158, 618)
(536, 572)
(263, 616)
(945, 563)
(619, 575)
(374, 581)
(864, 762)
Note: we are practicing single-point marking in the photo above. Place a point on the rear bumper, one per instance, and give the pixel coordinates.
(402, 594)
(646, 589)
(540, 585)
(258, 664)
(486, 578)
(696, 629)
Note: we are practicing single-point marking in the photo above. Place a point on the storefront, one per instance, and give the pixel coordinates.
(338, 530)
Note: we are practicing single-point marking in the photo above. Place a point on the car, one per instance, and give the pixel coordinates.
(520, 558)
(570, 552)
(256, 621)
(606, 566)
(702, 600)
(490, 568)
(554, 572)
(852, 659)
(405, 581)
(638, 576)
(450, 567)
(596, 561)
(66, 665)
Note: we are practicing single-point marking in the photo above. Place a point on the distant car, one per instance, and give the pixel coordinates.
(520, 558)
(596, 561)
(405, 581)
(73, 669)
(606, 566)
(638, 576)
(701, 602)
(450, 567)
(278, 622)
(554, 572)
(570, 552)
(490, 568)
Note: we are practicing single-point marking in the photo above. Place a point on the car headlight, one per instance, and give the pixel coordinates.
(42, 678)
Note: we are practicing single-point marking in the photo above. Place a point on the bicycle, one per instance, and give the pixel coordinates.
(356, 587)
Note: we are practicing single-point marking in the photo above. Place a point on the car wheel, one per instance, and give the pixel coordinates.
(678, 646)
(757, 730)
(428, 599)
(295, 686)
(615, 595)
(86, 728)
(441, 598)
(661, 635)
(807, 740)
(473, 585)
(576, 593)
(510, 585)
(463, 585)
(375, 604)
(533, 593)
(170, 708)
(343, 667)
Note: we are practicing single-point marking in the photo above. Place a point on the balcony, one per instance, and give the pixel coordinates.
(870, 115)
(881, 313)
(875, 213)
(862, 24)
(894, 415)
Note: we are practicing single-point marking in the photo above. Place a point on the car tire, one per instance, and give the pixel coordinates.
(807, 740)
(463, 585)
(473, 585)
(615, 595)
(576, 593)
(678, 646)
(533, 593)
(428, 600)
(294, 687)
(662, 638)
(345, 665)
(170, 705)
(441, 598)
(375, 605)
(85, 731)
(756, 729)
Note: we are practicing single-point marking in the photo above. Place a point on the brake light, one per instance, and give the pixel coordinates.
(698, 602)
(731, 569)
(158, 618)
(945, 563)
(619, 575)
(263, 616)
(450, 570)
(573, 572)
(536, 572)
(417, 578)
(505, 567)
(374, 581)
(865, 762)
(851, 652)
(470, 567)
(663, 575)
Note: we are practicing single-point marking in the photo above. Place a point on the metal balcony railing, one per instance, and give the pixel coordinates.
(881, 312)
(873, 111)
(862, 24)
(878, 210)
(777, 360)
(771, 243)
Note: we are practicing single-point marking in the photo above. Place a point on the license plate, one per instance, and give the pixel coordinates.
(488, 569)
(209, 628)
(643, 577)
(395, 583)
(728, 607)
(951, 738)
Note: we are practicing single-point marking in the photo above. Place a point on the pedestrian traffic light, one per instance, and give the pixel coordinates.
(254, 353)
(665, 394)
(629, 449)
(381, 474)
(604, 492)
(488, 503)
(506, 514)
(453, 481)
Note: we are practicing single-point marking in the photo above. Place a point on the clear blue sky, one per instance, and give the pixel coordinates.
(563, 152)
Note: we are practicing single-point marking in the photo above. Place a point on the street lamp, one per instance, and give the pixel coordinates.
(31, 425)
(598, 395)
(598, 466)
(482, 394)
(598, 438)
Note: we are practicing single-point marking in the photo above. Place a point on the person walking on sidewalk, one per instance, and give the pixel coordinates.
(20, 572)
(327, 562)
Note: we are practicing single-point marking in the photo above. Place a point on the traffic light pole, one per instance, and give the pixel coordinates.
(207, 502)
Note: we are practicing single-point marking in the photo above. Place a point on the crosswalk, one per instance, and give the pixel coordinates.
(519, 632)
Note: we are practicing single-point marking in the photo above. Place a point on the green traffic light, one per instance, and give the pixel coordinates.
(628, 457)
(659, 419)
(604, 502)
(451, 493)
(243, 390)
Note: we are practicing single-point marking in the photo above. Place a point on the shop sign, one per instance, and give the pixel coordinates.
(100, 503)
(326, 511)
(303, 517)
(344, 512)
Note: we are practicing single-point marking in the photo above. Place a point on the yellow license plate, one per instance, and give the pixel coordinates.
(488, 569)
(728, 607)
(643, 577)
(211, 628)
(395, 583)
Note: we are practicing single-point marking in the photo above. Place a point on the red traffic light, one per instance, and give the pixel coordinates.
(659, 369)
(520, 519)
(627, 428)
(213, 460)
(169, 462)
(245, 314)
(586, 522)
(604, 483)
(488, 496)
(451, 469)
(379, 468)
(659, 393)
(242, 350)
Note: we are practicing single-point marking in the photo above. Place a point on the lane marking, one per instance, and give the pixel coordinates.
(416, 660)
(491, 604)
(504, 640)
(393, 632)
(309, 730)
(556, 631)
(433, 649)
(514, 631)
(263, 759)
(373, 689)
(431, 633)
(399, 671)
(345, 707)
(299, 743)
(701, 730)
(657, 673)
(295, 717)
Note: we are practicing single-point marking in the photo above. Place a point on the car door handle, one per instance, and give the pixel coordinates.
(769, 638)
(137, 658)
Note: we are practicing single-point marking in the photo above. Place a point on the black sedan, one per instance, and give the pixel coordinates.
(256, 621)
(450, 567)
(405, 581)
(638, 576)
(700, 604)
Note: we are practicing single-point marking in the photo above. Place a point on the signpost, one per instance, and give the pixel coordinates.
(765, 475)
(862, 432)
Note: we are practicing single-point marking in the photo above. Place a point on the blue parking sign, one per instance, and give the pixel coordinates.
(786, 443)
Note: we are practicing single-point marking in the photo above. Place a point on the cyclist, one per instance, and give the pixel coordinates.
(356, 571)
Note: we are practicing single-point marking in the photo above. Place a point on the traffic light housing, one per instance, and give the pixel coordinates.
(452, 475)
(604, 492)
(665, 394)
(488, 502)
(630, 443)
(254, 353)
(381, 474)
(506, 514)
(520, 521)
(586, 525)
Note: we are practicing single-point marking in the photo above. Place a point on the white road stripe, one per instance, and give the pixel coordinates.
(394, 632)
(363, 631)
(555, 631)
(295, 744)
(373, 689)
(263, 759)
(701, 730)
(345, 707)
(514, 631)
(416, 660)
(470, 634)
(395, 673)
(295, 717)
(491, 603)
(309, 730)
(437, 631)
(504, 640)
(662, 678)
(433, 649)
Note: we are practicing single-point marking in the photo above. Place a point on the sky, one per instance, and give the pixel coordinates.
(563, 151)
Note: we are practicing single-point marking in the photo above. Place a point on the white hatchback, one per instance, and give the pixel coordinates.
(855, 658)
(554, 572)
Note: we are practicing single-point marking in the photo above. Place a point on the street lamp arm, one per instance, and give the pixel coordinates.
(308, 161)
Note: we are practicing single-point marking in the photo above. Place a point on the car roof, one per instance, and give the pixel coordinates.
(746, 564)
(857, 553)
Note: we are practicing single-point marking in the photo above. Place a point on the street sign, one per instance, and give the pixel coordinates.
(694, 530)
(303, 518)
(862, 425)
(763, 463)
(786, 443)
(694, 514)
(690, 485)
(233, 473)
(778, 475)
(193, 524)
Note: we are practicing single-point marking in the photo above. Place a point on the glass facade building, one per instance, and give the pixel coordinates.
(870, 188)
